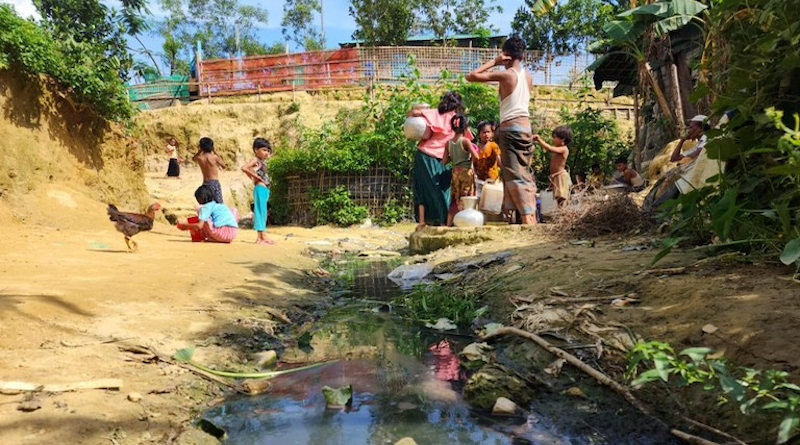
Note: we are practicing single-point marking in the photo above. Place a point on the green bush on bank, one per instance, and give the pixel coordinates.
(80, 67)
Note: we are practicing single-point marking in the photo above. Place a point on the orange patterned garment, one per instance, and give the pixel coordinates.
(487, 165)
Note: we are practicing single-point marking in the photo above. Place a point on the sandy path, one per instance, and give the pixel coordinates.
(65, 290)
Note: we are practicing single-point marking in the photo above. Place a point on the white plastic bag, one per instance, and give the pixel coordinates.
(408, 275)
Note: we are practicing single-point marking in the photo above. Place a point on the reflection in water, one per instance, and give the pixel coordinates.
(407, 383)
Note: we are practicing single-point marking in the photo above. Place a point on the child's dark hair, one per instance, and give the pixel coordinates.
(483, 124)
(564, 133)
(451, 100)
(595, 166)
(207, 145)
(621, 160)
(262, 143)
(514, 47)
(204, 194)
(459, 123)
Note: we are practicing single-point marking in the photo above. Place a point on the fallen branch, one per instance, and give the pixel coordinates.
(115, 384)
(590, 299)
(602, 378)
(711, 429)
(574, 361)
(691, 439)
(668, 271)
(167, 359)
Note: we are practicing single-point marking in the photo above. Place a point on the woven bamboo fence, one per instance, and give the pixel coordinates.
(372, 189)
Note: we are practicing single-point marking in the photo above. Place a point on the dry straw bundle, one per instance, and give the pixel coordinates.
(595, 216)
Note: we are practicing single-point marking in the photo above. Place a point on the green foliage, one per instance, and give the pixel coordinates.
(429, 302)
(395, 211)
(297, 24)
(382, 22)
(596, 139)
(750, 389)
(373, 136)
(561, 27)
(213, 23)
(756, 207)
(444, 18)
(81, 61)
(336, 207)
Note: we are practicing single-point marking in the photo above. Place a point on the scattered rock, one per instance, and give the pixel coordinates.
(193, 436)
(266, 359)
(406, 406)
(485, 386)
(135, 397)
(504, 407)
(575, 392)
(710, 329)
(30, 404)
(406, 441)
(338, 397)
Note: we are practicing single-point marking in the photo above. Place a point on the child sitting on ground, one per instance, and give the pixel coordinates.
(216, 223)
(627, 176)
(560, 182)
(256, 170)
(460, 151)
(210, 163)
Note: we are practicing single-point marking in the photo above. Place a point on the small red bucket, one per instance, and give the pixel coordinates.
(197, 236)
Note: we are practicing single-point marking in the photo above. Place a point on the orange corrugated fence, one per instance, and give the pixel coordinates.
(284, 72)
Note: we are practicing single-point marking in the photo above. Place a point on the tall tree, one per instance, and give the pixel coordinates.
(218, 24)
(446, 17)
(98, 30)
(382, 22)
(298, 23)
(565, 26)
(177, 42)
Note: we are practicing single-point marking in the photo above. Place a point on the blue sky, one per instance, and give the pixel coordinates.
(339, 26)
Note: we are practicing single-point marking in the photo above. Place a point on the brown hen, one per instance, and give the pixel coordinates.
(130, 224)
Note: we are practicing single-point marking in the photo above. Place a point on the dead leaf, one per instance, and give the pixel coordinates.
(598, 346)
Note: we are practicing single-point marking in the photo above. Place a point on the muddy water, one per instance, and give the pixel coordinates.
(407, 383)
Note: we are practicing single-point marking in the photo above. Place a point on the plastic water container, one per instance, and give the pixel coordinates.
(548, 202)
(416, 128)
(197, 236)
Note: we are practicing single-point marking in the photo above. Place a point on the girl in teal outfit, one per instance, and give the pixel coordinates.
(257, 171)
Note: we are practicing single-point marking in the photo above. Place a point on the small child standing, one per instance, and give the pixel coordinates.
(216, 223)
(460, 152)
(256, 170)
(210, 163)
(487, 164)
(560, 182)
(174, 168)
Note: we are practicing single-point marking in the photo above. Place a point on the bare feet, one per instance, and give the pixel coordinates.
(266, 241)
(420, 226)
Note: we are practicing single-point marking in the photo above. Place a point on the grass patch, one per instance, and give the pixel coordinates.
(429, 302)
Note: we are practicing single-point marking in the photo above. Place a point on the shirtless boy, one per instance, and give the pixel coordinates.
(560, 182)
(514, 133)
(210, 163)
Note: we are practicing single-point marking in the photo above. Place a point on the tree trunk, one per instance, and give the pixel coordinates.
(660, 98)
(685, 84)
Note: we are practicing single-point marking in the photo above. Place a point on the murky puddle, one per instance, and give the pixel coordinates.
(407, 383)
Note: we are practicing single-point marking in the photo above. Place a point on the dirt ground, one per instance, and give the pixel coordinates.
(70, 296)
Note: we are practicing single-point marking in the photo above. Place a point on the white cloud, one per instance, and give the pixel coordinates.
(24, 8)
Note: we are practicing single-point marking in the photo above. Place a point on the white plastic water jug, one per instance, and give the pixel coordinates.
(416, 128)
(470, 216)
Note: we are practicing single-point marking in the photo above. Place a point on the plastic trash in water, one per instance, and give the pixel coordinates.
(409, 275)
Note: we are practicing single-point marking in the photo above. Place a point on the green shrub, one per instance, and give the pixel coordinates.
(82, 67)
(336, 207)
(430, 302)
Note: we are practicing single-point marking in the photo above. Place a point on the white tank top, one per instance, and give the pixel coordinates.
(516, 104)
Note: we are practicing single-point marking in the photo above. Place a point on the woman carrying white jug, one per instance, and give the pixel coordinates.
(431, 179)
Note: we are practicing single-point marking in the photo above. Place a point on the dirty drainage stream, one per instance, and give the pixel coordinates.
(407, 382)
